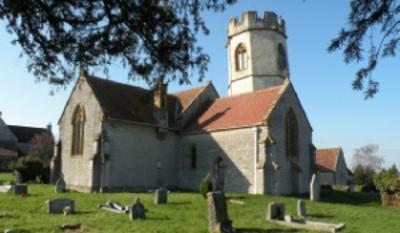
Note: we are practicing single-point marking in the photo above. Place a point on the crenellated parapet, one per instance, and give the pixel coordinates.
(250, 21)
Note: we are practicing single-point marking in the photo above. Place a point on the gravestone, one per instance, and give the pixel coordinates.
(17, 177)
(137, 210)
(10, 231)
(218, 220)
(58, 206)
(60, 185)
(6, 188)
(161, 196)
(20, 189)
(301, 208)
(315, 187)
(275, 211)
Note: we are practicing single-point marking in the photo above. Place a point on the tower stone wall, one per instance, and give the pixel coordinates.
(264, 41)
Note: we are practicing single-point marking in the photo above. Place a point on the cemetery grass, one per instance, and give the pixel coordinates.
(6, 177)
(187, 212)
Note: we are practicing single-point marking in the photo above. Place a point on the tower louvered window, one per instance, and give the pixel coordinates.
(78, 130)
(241, 57)
(282, 59)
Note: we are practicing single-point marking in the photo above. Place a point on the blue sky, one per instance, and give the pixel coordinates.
(339, 115)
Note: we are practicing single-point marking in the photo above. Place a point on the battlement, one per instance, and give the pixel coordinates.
(250, 21)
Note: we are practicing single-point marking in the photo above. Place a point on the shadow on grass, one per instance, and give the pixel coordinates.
(355, 198)
(83, 212)
(258, 230)
(180, 203)
(319, 216)
(158, 218)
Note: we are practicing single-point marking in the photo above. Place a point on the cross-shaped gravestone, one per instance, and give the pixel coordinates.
(218, 220)
(137, 210)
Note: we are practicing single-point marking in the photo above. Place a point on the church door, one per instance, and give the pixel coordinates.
(97, 171)
(294, 178)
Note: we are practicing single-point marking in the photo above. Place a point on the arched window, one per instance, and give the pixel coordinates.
(282, 59)
(241, 57)
(78, 130)
(292, 135)
(193, 157)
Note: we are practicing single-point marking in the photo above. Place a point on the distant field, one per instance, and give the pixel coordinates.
(187, 212)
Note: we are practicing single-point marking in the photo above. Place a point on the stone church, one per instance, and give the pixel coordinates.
(118, 137)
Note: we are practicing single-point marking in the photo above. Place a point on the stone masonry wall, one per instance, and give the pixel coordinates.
(77, 169)
(341, 170)
(135, 152)
(276, 125)
(327, 178)
(235, 147)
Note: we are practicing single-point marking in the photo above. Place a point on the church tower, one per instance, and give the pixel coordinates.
(256, 52)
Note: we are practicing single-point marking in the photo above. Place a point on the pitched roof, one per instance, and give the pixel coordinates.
(186, 97)
(326, 159)
(237, 111)
(25, 134)
(131, 103)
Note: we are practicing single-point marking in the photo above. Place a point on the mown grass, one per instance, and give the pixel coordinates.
(6, 177)
(187, 212)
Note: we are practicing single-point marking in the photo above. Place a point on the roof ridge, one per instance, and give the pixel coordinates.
(115, 82)
(191, 89)
(27, 127)
(330, 148)
(252, 93)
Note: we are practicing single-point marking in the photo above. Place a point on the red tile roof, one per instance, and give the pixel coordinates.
(326, 159)
(131, 103)
(186, 97)
(237, 111)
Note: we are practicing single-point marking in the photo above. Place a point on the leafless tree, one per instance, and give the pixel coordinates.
(367, 157)
(42, 146)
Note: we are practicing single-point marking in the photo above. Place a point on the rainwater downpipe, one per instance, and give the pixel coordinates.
(255, 129)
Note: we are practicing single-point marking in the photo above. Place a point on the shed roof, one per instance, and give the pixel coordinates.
(326, 159)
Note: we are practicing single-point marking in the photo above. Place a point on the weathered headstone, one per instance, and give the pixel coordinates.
(116, 205)
(137, 210)
(161, 196)
(65, 227)
(218, 220)
(315, 188)
(60, 185)
(10, 231)
(6, 188)
(20, 189)
(301, 208)
(17, 177)
(275, 211)
(58, 206)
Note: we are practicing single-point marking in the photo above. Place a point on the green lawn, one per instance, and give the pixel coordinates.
(6, 177)
(187, 212)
